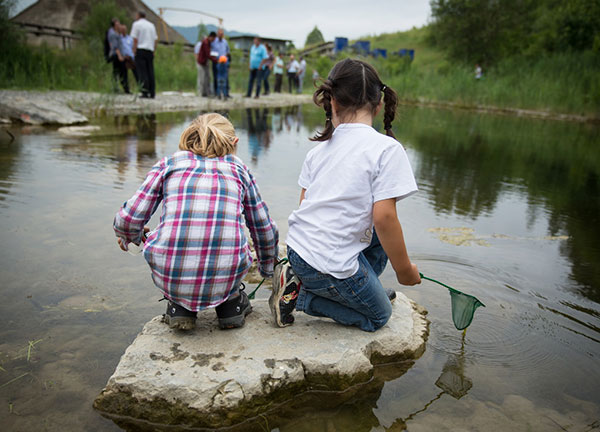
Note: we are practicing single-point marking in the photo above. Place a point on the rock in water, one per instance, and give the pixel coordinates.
(36, 109)
(209, 378)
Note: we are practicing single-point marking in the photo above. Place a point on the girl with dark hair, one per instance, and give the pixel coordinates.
(346, 228)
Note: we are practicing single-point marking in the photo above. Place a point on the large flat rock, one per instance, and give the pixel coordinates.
(211, 378)
(38, 110)
(71, 107)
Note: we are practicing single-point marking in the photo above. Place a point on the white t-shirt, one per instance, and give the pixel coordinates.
(145, 33)
(343, 177)
(293, 66)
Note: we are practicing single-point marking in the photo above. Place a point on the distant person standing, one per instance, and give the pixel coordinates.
(478, 72)
(258, 53)
(116, 57)
(127, 50)
(222, 72)
(202, 60)
(315, 75)
(301, 73)
(278, 72)
(267, 66)
(292, 71)
(220, 48)
(200, 72)
(145, 39)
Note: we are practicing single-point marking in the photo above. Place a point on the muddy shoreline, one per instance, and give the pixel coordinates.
(76, 107)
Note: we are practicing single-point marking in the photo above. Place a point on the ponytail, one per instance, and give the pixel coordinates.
(390, 100)
(322, 97)
(343, 84)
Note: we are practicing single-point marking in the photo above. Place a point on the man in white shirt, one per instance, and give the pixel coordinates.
(301, 72)
(144, 37)
(292, 70)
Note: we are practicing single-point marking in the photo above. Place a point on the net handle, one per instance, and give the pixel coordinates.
(437, 282)
(454, 290)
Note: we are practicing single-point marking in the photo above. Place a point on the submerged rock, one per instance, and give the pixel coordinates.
(210, 378)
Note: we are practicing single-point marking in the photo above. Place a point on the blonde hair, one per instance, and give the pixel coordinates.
(209, 135)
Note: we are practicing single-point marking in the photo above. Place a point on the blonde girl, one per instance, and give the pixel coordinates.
(198, 253)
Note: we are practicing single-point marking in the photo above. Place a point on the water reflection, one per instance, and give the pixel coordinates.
(452, 381)
(9, 155)
(259, 131)
(467, 163)
(138, 144)
(524, 180)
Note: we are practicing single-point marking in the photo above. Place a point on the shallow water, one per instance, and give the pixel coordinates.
(507, 211)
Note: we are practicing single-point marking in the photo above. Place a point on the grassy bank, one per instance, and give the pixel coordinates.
(559, 82)
(562, 82)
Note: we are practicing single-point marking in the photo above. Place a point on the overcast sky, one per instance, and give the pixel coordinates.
(295, 19)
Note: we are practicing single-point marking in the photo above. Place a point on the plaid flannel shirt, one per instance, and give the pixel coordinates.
(199, 251)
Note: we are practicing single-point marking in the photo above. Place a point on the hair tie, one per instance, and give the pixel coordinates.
(383, 87)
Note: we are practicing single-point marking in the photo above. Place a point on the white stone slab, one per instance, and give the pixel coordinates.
(214, 378)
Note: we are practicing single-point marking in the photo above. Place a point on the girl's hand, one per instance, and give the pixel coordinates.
(409, 278)
(122, 244)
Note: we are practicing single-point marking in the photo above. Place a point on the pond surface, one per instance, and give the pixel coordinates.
(508, 211)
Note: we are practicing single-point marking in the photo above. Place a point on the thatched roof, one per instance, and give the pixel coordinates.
(69, 14)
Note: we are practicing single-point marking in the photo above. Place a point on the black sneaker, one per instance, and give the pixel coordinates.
(391, 294)
(232, 312)
(178, 317)
(284, 296)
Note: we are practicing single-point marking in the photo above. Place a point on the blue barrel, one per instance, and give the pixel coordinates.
(402, 52)
(411, 53)
(340, 44)
(363, 46)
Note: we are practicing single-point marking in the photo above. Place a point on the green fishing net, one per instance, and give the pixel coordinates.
(463, 308)
(463, 305)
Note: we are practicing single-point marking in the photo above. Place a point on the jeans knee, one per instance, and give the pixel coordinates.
(383, 318)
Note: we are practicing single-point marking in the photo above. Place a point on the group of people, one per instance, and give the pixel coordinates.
(212, 53)
(133, 52)
(339, 239)
(263, 62)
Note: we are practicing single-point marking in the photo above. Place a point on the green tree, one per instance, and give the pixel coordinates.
(490, 30)
(98, 21)
(479, 30)
(9, 33)
(202, 31)
(314, 37)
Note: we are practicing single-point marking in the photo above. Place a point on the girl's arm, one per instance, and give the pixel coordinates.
(136, 212)
(262, 229)
(390, 235)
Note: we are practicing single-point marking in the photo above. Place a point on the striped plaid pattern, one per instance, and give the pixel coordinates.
(199, 251)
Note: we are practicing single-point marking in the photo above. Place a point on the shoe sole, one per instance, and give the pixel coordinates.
(180, 323)
(236, 321)
(275, 296)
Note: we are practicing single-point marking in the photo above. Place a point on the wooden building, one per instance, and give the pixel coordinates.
(56, 22)
(244, 42)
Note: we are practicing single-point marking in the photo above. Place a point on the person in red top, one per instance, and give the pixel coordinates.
(202, 59)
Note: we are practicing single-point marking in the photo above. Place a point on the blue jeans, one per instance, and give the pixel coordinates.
(222, 72)
(359, 300)
(255, 74)
(265, 79)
